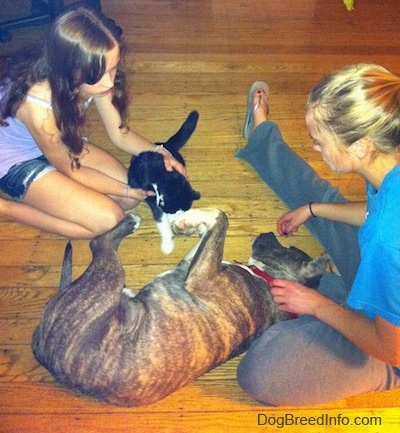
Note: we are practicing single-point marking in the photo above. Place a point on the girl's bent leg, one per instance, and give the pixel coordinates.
(66, 207)
(22, 213)
(296, 183)
(304, 362)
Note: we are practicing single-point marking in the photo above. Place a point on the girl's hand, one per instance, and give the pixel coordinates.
(295, 298)
(170, 162)
(289, 223)
(139, 194)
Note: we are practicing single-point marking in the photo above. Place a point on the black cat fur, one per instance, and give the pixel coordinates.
(174, 193)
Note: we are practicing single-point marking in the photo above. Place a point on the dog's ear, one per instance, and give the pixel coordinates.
(312, 271)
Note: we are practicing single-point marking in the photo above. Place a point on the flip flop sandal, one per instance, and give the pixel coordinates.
(249, 122)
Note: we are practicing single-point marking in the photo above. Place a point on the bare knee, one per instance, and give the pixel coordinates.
(127, 203)
(105, 219)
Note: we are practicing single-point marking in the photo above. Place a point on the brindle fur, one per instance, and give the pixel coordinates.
(101, 339)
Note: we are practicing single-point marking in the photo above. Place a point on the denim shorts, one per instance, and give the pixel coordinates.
(20, 176)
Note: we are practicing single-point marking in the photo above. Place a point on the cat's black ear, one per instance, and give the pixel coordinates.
(195, 195)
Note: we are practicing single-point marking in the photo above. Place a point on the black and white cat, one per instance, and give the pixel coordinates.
(173, 191)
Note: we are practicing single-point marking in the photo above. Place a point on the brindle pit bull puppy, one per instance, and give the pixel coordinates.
(101, 339)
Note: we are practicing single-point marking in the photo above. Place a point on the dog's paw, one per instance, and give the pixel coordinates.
(195, 221)
(134, 219)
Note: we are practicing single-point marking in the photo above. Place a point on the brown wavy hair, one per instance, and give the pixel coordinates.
(74, 54)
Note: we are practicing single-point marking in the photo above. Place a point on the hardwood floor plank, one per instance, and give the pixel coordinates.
(239, 422)
(201, 396)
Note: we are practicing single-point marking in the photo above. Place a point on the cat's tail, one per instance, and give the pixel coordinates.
(184, 133)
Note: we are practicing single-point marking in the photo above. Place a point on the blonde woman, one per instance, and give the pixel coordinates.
(347, 338)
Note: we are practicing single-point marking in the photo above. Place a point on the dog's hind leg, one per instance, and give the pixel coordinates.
(105, 259)
(99, 245)
(113, 237)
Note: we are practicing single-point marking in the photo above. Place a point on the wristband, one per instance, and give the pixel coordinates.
(310, 207)
(161, 147)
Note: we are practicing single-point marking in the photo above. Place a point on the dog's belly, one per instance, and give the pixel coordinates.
(144, 348)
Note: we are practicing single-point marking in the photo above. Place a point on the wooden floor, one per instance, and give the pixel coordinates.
(184, 55)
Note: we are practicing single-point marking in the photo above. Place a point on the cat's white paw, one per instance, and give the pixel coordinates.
(167, 236)
(167, 246)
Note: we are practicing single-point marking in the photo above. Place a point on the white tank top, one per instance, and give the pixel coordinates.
(16, 142)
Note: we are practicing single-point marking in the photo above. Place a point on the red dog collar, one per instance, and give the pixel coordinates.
(268, 278)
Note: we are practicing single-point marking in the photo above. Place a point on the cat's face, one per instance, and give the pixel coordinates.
(175, 194)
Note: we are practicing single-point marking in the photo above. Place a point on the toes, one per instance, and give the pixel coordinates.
(260, 98)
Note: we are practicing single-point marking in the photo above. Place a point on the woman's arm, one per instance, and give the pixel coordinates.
(377, 337)
(351, 213)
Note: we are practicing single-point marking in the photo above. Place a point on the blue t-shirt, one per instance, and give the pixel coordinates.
(376, 288)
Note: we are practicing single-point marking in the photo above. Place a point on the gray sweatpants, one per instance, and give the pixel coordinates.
(304, 361)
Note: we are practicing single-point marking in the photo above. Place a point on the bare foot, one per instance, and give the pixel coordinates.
(260, 109)
(257, 107)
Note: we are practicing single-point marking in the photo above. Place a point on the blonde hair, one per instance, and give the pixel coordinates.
(359, 101)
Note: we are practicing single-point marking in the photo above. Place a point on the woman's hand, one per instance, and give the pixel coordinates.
(295, 298)
(376, 337)
(289, 223)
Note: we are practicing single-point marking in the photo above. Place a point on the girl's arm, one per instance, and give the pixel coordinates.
(126, 139)
(41, 124)
(123, 138)
(376, 337)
